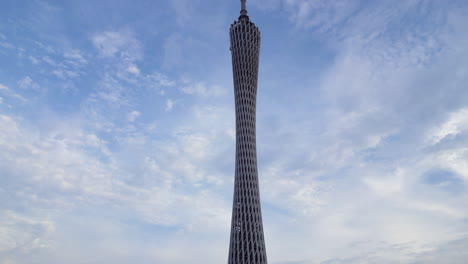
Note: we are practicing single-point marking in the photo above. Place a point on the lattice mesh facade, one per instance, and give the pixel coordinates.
(247, 245)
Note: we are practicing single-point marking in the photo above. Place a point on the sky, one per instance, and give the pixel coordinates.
(117, 131)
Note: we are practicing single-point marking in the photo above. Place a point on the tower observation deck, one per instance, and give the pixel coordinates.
(247, 243)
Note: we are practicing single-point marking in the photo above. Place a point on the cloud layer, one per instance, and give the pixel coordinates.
(117, 140)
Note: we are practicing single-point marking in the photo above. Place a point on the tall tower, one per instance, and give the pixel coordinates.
(247, 245)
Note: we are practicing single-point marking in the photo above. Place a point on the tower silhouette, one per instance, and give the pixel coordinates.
(247, 243)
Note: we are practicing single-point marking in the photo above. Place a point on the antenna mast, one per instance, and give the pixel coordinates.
(243, 7)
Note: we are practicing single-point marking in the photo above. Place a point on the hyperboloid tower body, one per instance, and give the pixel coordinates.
(247, 244)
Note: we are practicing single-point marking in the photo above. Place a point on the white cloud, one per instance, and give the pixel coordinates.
(59, 74)
(202, 89)
(117, 43)
(197, 146)
(343, 175)
(132, 116)
(76, 56)
(169, 105)
(457, 123)
(454, 159)
(153, 183)
(132, 68)
(9, 93)
(6, 45)
(24, 234)
(49, 61)
(60, 152)
(72, 74)
(161, 80)
(28, 83)
(391, 185)
(33, 59)
(65, 74)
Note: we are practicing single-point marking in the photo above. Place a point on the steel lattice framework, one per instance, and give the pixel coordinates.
(247, 245)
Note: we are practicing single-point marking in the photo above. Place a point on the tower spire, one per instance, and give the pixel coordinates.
(243, 5)
(243, 8)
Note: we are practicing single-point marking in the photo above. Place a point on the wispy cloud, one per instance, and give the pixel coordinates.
(132, 116)
(201, 89)
(28, 83)
(456, 124)
(185, 10)
(117, 43)
(361, 132)
(132, 68)
(169, 105)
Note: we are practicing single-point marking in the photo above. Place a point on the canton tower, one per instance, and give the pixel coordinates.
(247, 244)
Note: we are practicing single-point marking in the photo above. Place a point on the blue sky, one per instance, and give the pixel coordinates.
(117, 131)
